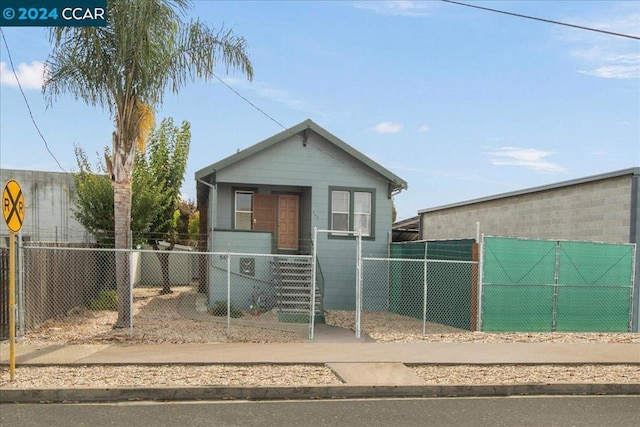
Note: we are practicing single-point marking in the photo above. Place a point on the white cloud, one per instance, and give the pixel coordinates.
(625, 66)
(424, 128)
(388, 127)
(31, 76)
(615, 71)
(529, 158)
(608, 56)
(401, 8)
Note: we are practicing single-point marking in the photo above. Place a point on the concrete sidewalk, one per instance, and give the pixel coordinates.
(367, 369)
(322, 353)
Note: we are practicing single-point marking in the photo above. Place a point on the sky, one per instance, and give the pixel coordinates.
(461, 103)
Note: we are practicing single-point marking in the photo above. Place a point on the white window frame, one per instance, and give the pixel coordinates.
(351, 214)
(236, 210)
(334, 212)
(364, 214)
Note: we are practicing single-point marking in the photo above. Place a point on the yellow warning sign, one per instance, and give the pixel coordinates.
(13, 205)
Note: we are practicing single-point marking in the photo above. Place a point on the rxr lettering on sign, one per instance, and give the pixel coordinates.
(13, 208)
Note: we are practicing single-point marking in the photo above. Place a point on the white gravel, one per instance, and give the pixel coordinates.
(179, 318)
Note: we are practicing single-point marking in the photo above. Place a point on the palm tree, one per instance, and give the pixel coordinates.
(126, 68)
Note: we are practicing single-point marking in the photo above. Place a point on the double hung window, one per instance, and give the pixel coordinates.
(351, 210)
(244, 210)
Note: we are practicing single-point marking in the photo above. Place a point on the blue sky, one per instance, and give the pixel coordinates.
(461, 103)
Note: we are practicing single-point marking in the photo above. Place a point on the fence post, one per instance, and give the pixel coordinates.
(556, 274)
(20, 252)
(358, 284)
(480, 284)
(228, 294)
(424, 297)
(313, 282)
(634, 301)
(474, 285)
(131, 280)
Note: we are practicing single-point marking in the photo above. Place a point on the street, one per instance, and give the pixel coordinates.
(495, 411)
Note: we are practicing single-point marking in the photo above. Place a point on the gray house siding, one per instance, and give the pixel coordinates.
(318, 166)
(309, 169)
(49, 204)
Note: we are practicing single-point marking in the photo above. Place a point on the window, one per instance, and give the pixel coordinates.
(340, 211)
(244, 210)
(362, 212)
(352, 210)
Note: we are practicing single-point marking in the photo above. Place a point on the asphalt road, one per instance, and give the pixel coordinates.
(598, 411)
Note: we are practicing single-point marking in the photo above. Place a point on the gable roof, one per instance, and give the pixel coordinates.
(394, 181)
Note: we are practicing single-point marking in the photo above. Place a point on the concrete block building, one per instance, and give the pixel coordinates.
(598, 208)
(49, 205)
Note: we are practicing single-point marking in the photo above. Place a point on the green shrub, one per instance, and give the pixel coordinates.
(220, 309)
(106, 300)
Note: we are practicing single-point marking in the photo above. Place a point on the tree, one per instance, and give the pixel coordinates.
(165, 162)
(158, 213)
(126, 68)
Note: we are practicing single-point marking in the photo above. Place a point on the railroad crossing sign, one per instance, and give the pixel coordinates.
(13, 205)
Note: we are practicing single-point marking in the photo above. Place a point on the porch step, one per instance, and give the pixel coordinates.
(294, 278)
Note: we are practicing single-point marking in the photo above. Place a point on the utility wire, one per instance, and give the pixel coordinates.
(249, 102)
(27, 102)
(294, 134)
(543, 20)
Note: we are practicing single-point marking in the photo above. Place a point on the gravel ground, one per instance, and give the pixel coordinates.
(182, 317)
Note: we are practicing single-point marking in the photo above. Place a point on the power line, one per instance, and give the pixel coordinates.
(13, 69)
(543, 20)
(294, 134)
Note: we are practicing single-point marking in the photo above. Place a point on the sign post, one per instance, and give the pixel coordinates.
(13, 212)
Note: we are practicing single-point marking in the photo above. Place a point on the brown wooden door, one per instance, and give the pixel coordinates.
(264, 212)
(288, 213)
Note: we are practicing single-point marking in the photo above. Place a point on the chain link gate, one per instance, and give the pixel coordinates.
(531, 285)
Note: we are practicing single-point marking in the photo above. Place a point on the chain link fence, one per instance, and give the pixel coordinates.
(434, 296)
(70, 296)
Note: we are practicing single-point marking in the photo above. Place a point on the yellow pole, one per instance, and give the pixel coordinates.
(12, 307)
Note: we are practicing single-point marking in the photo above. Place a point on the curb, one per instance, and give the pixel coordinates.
(309, 392)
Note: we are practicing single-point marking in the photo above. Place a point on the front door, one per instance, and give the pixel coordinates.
(288, 214)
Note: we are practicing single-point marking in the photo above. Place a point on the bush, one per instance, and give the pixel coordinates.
(220, 309)
(106, 300)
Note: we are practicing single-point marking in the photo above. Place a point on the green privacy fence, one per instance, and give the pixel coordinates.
(565, 286)
(449, 283)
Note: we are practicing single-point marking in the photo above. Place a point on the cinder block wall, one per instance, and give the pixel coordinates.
(49, 206)
(591, 211)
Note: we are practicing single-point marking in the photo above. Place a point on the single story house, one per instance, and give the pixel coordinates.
(268, 198)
